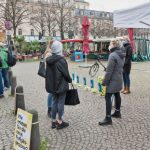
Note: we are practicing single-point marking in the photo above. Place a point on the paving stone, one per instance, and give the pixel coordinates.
(130, 132)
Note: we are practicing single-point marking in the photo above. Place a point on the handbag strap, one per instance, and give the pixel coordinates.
(72, 86)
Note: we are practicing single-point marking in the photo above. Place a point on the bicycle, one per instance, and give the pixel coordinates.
(95, 67)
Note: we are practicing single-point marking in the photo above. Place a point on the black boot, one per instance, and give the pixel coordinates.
(116, 114)
(49, 112)
(106, 121)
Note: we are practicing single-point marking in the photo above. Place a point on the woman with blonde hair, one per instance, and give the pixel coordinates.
(113, 81)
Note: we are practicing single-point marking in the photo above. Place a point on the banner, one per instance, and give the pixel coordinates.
(136, 17)
(23, 130)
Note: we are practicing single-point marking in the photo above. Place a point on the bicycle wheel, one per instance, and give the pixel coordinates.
(94, 69)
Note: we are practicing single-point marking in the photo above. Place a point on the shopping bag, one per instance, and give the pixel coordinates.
(72, 97)
(42, 69)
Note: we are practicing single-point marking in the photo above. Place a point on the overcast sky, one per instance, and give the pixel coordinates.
(111, 5)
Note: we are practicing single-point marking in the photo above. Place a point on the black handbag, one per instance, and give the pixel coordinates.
(42, 69)
(72, 97)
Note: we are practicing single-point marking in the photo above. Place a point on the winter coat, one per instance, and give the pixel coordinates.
(114, 73)
(128, 58)
(4, 57)
(57, 75)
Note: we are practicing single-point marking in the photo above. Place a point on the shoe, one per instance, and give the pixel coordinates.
(5, 88)
(49, 112)
(122, 91)
(62, 125)
(2, 96)
(106, 121)
(54, 125)
(116, 114)
(126, 92)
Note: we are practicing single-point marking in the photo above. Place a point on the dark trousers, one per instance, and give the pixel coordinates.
(126, 79)
(108, 98)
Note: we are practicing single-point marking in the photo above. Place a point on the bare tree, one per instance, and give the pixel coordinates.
(101, 28)
(64, 10)
(13, 11)
(38, 18)
(51, 23)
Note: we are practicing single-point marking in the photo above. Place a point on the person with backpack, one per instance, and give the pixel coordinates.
(57, 79)
(113, 81)
(5, 66)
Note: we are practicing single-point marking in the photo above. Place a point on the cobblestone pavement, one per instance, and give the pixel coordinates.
(132, 132)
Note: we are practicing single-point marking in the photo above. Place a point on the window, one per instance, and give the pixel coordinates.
(32, 32)
(92, 13)
(54, 33)
(43, 32)
(81, 12)
(20, 32)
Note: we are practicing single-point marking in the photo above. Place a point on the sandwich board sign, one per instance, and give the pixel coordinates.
(23, 130)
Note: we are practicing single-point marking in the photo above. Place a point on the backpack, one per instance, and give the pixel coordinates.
(1, 62)
(11, 59)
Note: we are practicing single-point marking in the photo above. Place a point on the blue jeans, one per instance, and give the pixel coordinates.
(1, 83)
(5, 77)
(126, 79)
(49, 100)
(108, 98)
(58, 106)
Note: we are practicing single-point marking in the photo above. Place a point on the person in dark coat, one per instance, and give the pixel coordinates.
(127, 67)
(57, 79)
(113, 81)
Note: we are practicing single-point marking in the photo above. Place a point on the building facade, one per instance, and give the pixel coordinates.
(101, 22)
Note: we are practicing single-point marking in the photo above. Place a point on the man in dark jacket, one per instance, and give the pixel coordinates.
(113, 81)
(57, 79)
(127, 67)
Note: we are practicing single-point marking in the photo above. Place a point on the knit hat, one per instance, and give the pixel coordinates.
(57, 48)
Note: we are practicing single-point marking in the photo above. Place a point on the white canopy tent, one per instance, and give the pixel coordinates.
(136, 17)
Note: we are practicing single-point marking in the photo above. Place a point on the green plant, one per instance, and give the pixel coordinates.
(20, 41)
(43, 144)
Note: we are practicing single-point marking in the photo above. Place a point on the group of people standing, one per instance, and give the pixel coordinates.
(4, 81)
(117, 72)
(58, 79)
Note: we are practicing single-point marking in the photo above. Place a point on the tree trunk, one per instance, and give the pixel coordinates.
(62, 33)
(14, 28)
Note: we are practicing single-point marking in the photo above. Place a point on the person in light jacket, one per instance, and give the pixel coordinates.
(113, 81)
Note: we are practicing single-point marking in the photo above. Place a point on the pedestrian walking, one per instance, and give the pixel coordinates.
(57, 79)
(127, 67)
(113, 81)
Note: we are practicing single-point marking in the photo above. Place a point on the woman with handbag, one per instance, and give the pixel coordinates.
(113, 81)
(57, 79)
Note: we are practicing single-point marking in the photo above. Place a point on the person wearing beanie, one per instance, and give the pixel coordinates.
(57, 79)
(113, 80)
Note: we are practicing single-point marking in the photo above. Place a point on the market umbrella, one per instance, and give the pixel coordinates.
(85, 32)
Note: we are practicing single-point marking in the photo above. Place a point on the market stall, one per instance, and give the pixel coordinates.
(136, 18)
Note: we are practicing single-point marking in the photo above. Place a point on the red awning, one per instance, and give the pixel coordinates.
(75, 40)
